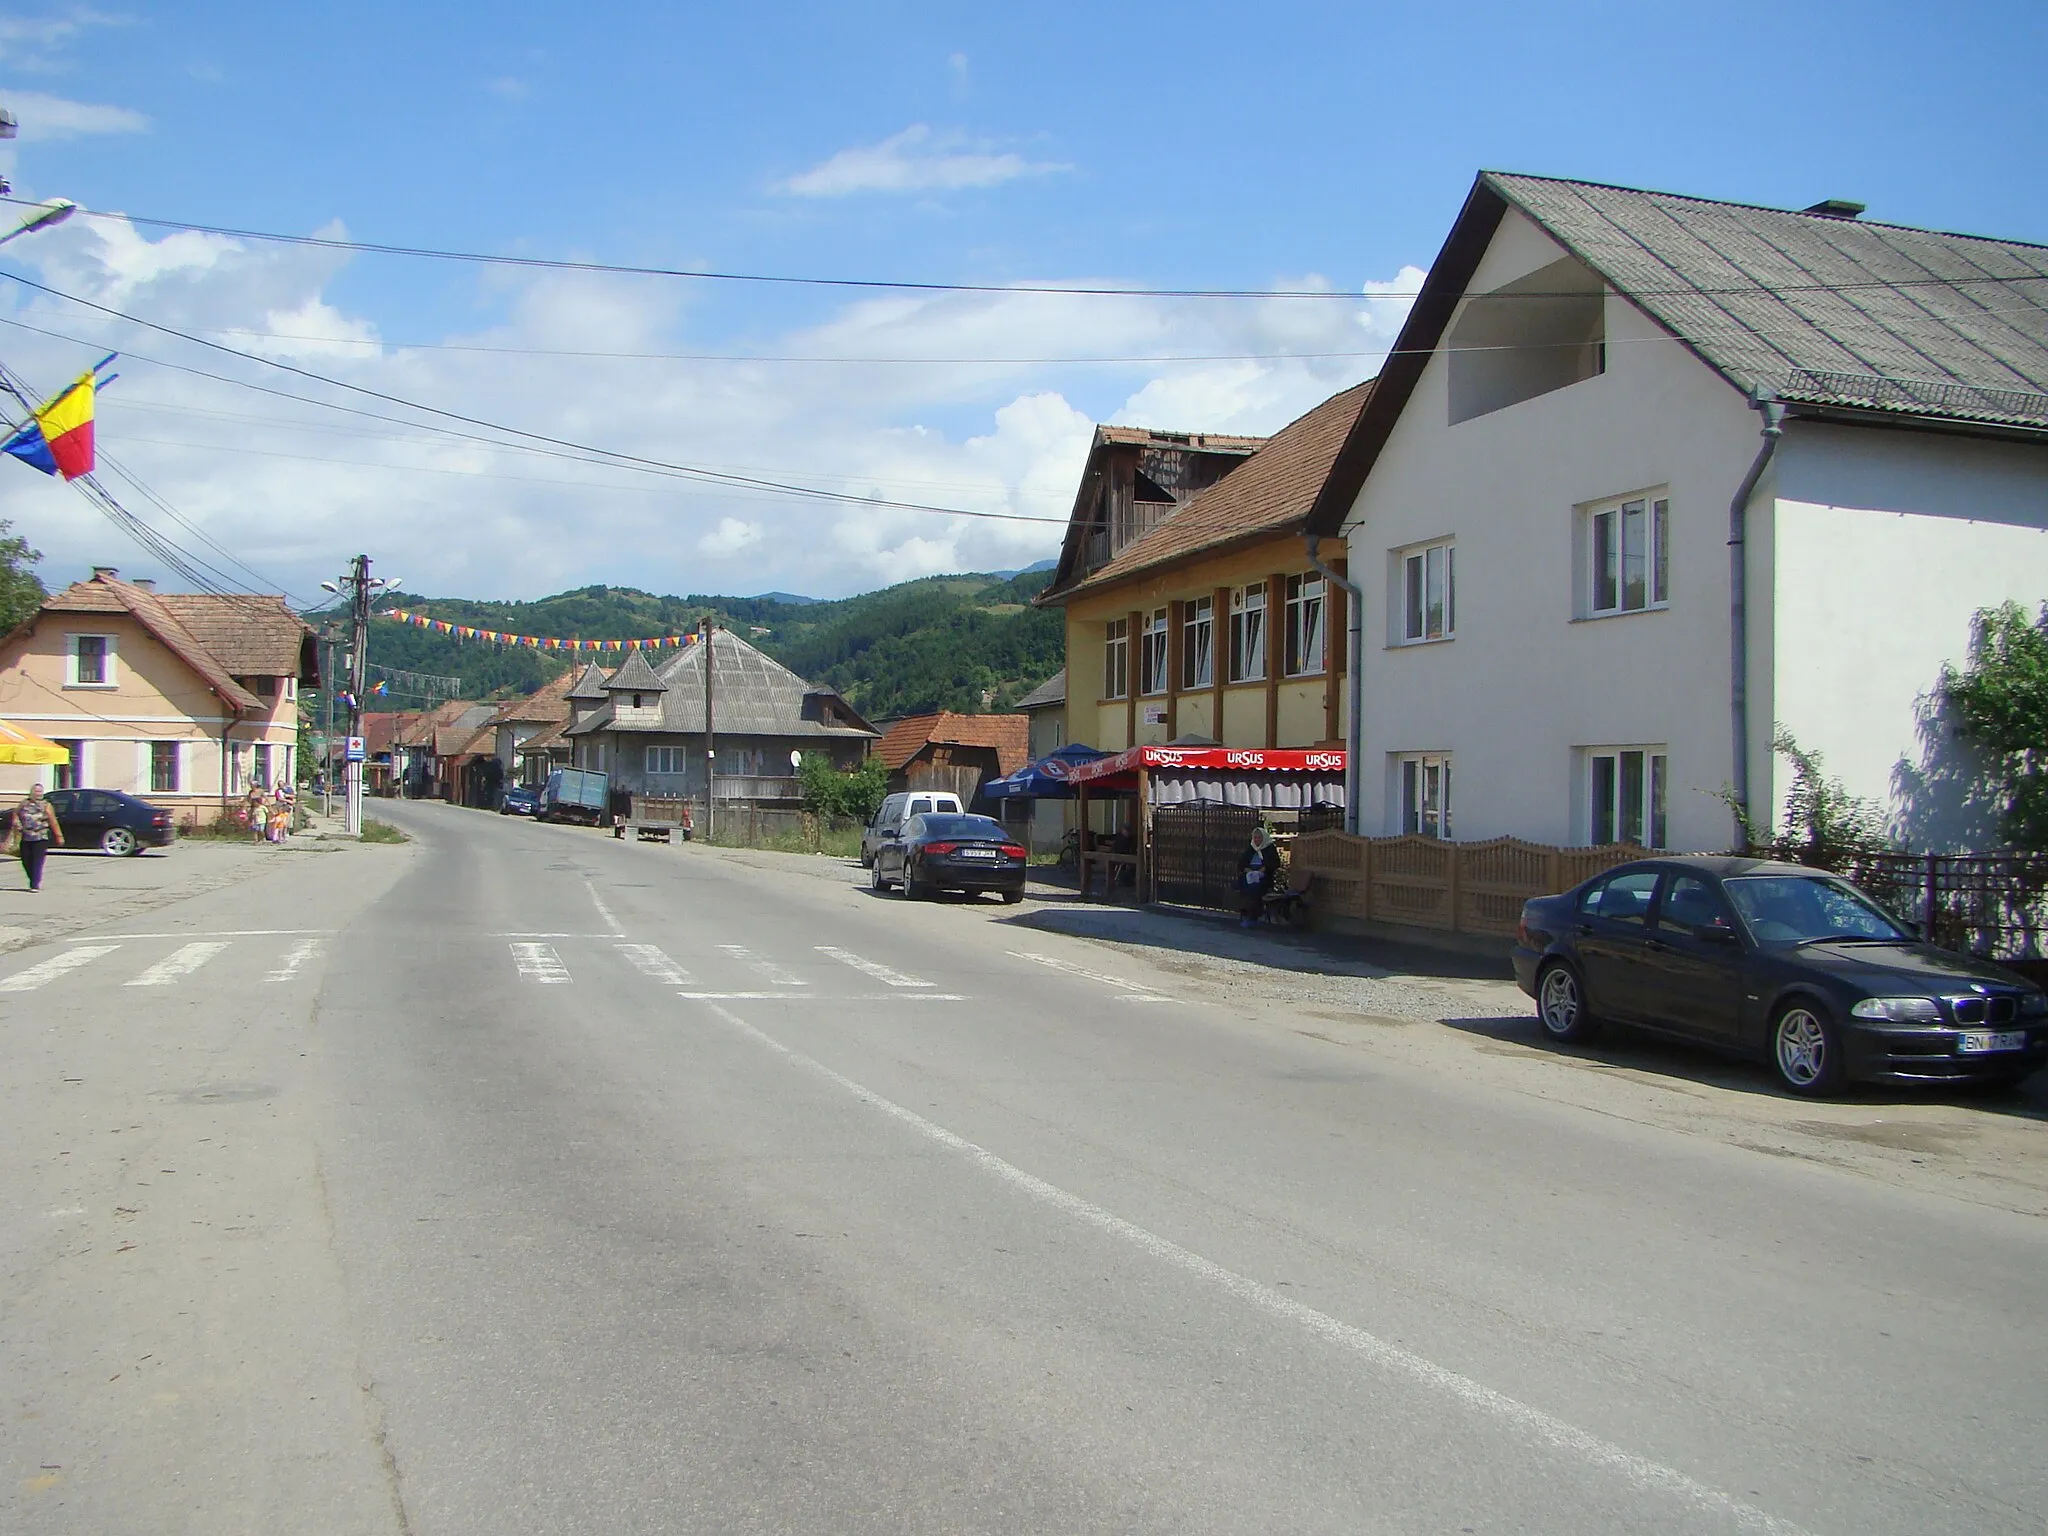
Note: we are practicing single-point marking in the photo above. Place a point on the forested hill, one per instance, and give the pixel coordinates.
(970, 643)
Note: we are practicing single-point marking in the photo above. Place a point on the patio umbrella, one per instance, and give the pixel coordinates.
(20, 746)
(1045, 779)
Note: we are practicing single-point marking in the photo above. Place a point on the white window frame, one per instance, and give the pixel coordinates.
(1198, 643)
(1422, 794)
(1248, 631)
(1153, 654)
(1116, 659)
(110, 674)
(1307, 620)
(1623, 532)
(666, 761)
(1428, 576)
(1628, 795)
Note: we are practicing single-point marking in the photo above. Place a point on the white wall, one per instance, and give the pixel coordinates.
(1526, 684)
(1884, 545)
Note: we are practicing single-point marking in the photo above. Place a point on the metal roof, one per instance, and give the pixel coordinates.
(751, 695)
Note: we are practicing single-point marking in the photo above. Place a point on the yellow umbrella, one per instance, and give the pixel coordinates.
(20, 746)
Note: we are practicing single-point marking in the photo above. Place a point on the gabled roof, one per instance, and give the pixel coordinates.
(419, 729)
(1052, 691)
(589, 685)
(107, 593)
(1009, 736)
(1083, 522)
(1841, 317)
(1269, 493)
(752, 695)
(547, 703)
(249, 636)
(636, 676)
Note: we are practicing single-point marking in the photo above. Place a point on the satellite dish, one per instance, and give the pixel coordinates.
(796, 758)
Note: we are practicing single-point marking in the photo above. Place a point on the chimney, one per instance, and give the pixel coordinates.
(147, 583)
(1836, 208)
(105, 573)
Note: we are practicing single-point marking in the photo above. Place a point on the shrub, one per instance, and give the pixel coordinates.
(2000, 702)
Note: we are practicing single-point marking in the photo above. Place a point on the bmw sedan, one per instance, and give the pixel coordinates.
(951, 853)
(1789, 965)
(111, 820)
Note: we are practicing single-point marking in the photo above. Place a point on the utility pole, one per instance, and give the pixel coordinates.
(327, 740)
(357, 585)
(710, 737)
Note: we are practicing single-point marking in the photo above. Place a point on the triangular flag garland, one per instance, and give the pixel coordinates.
(57, 438)
(535, 642)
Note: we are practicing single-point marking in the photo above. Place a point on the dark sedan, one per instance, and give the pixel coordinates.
(951, 853)
(520, 801)
(1790, 965)
(111, 820)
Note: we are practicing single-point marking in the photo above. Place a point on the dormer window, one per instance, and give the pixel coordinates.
(636, 701)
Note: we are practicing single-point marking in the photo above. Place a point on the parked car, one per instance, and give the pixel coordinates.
(111, 820)
(951, 853)
(1791, 965)
(520, 801)
(898, 808)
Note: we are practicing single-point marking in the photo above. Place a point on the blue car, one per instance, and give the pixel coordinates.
(520, 801)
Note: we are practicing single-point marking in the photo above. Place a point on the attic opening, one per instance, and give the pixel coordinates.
(1526, 338)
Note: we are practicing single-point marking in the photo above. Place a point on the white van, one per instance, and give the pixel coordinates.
(896, 810)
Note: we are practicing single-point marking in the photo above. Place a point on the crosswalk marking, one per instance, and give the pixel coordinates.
(177, 965)
(539, 962)
(811, 997)
(1131, 991)
(649, 961)
(51, 969)
(294, 958)
(767, 968)
(881, 973)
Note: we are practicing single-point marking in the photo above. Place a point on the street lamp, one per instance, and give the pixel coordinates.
(42, 216)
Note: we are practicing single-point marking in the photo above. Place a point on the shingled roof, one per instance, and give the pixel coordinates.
(636, 676)
(546, 705)
(1052, 691)
(1008, 735)
(589, 685)
(752, 695)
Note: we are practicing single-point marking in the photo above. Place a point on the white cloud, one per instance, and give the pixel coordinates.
(915, 160)
(54, 117)
(730, 537)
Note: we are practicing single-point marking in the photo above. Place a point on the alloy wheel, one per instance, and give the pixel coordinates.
(1801, 1046)
(1559, 1003)
(118, 840)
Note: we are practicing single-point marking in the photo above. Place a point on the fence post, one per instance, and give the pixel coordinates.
(1457, 862)
(1931, 908)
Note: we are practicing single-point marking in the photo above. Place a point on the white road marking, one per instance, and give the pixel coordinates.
(55, 966)
(232, 933)
(1530, 1422)
(528, 933)
(294, 958)
(539, 962)
(881, 973)
(812, 997)
(603, 911)
(649, 961)
(1130, 991)
(177, 965)
(767, 968)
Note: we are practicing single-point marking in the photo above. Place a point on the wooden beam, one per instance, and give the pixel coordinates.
(1175, 612)
(1219, 658)
(1276, 652)
(1134, 674)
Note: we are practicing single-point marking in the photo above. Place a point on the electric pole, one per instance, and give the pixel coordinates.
(358, 585)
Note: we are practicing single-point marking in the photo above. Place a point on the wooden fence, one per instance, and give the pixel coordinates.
(1424, 882)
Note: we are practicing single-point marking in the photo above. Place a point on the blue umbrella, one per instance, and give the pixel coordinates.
(1045, 779)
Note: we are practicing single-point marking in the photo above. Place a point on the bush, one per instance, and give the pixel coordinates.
(2000, 702)
(1825, 825)
(845, 796)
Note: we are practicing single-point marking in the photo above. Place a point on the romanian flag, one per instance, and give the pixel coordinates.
(57, 439)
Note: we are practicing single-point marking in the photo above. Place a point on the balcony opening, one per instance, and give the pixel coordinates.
(1527, 338)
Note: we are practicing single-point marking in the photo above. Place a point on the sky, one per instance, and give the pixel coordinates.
(1275, 150)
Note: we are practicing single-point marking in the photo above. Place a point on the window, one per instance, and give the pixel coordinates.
(1116, 660)
(163, 768)
(1248, 634)
(1304, 625)
(1630, 562)
(69, 774)
(1152, 654)
(291, 689)
(1621, 898)
(1426, 795)
(1428, 594)
(1198, 643)
(261, 776)
(1626, 796)
(665, 759)
(1691, 904)
(90, 662)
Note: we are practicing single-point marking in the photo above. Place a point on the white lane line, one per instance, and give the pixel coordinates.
(881, 973)
(767, 968)
(812, 997)
(294, 958)
(177, 965)
(539, 962)
(1130, 991)
(649, 961)
(603, 911)
(531, 933)
(36, 975)
(231, 933)
(1530, 1422)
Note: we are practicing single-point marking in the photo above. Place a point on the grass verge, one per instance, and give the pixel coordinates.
(375, 831)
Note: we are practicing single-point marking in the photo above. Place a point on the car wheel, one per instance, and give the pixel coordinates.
(119, 841)
(867, 860)
(914, 889)
(1011, 898)
(1806, 1048)
(1561, 1004)
(875, 880)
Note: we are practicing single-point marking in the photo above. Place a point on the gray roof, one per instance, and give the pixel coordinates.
(751, 695)
(1052, 691)
(590, 685)
(1837, 311)
(636, 676)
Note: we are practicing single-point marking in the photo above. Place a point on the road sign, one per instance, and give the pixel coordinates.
(353, 751)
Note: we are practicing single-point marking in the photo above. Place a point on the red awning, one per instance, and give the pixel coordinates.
(1123, 768)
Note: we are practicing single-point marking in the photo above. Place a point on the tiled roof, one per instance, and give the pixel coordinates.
(1009, 735)
(419, 728)
(250, 636)
(381, 728)
(108, 594)
(752, 695)
(551, 736)
(1270, 492)
(1147, 436)
(1052, 691)
(549, 702)
(636, 676)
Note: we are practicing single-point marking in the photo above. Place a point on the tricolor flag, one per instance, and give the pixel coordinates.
(57, 439)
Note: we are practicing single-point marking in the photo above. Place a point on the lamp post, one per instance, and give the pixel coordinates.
(360, 586)
(45, 216)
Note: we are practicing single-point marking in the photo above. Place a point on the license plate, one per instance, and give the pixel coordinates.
(977, 853)
(1975, 1042)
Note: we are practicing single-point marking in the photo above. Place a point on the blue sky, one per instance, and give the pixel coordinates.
(1163, 146)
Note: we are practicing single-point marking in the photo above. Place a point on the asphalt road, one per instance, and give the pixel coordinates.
(518, 1180)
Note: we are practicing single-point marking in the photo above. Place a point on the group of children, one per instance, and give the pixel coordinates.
(268, 817)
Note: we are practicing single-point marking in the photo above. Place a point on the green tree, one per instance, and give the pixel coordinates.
(2000, 702)
(855, 795)
(21, 591)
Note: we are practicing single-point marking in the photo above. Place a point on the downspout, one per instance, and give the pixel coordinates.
(1354, 715)
(1767, 405)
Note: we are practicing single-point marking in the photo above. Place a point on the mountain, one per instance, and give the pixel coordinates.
(970, 642)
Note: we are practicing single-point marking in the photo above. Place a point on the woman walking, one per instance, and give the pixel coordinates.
(36, 831)
(1256, 868)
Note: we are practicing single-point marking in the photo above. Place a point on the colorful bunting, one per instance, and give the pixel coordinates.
(535, 642)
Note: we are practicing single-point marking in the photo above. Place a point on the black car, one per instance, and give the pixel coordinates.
(111, 820)
(520, 801)
(936, 852)
(1776, 961)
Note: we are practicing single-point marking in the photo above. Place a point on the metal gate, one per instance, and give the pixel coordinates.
(1195, 848)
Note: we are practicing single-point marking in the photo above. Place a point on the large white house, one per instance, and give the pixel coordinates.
(1543, 495)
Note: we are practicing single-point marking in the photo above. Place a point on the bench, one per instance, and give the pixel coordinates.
(1290, 906)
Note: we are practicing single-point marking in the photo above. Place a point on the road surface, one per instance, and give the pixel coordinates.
(518, 1180)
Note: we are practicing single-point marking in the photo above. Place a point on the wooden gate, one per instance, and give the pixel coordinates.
(1195, 849)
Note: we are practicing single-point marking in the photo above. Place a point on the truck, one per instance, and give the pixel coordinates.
(575, 794)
